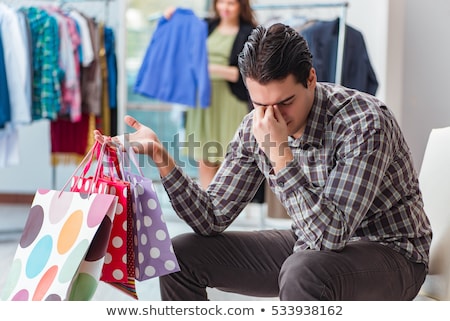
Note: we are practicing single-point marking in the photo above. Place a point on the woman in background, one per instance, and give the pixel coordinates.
(214, 127)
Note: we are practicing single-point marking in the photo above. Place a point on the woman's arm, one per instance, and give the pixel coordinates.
(229, 73)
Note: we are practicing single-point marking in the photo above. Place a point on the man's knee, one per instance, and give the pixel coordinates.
(304, 276)
(186, 245)
(183, 240)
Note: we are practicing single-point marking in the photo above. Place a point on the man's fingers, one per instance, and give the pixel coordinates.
(98, 136)
(132, 122)
(269, 112)
(277, 114)
(259, 112)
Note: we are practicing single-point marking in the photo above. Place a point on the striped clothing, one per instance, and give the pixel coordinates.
(352, 178)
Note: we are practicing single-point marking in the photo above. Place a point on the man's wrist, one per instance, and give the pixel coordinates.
(283, 159)
(164, 162)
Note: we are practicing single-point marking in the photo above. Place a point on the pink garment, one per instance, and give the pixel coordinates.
(73, 95)
(69, 50)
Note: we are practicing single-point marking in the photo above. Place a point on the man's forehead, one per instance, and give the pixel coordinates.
(274, 92)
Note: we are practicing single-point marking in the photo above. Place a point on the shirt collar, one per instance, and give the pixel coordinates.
(315, 126)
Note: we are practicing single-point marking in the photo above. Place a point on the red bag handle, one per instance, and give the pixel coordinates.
(87, 160)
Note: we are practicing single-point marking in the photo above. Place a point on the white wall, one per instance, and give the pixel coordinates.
(33, 171)
(426, 80)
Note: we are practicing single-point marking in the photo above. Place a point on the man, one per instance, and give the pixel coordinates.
(336, 159)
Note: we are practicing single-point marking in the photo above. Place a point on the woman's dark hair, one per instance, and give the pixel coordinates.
(274, 53)
(246, 15)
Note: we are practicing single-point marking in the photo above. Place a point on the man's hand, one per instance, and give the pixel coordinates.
(143, 141)
(271, 133)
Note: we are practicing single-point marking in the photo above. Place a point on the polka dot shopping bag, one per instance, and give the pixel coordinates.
(63, 229)
(153, 251)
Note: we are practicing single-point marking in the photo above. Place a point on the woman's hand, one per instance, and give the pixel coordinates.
(229, 73)
(168, 13)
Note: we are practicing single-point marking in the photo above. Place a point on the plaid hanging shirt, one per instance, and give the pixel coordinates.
(47, 75)
(352, 178)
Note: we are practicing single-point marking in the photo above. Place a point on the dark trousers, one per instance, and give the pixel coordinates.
(261, 263)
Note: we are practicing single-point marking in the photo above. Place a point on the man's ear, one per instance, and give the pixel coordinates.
(312, 78)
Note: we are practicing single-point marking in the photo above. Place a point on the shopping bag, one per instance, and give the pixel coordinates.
(153, 251)
(117, 266)
(62, 230)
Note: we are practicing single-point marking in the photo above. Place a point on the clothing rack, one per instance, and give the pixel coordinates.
(342, 23)
(76, 3)
(61, 3)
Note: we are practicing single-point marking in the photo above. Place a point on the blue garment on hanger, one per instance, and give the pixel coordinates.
(5, 107)
(357, 71)
(175, 65)
(111, 61)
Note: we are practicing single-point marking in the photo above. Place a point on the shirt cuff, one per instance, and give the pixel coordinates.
(290, 178)
(174, 181)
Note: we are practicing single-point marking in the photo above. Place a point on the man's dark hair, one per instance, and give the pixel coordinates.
(274, 53)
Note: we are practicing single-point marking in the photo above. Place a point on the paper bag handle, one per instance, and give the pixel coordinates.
(131, 154)
(86, 161)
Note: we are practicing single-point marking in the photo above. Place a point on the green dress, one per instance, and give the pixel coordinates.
(214, 127)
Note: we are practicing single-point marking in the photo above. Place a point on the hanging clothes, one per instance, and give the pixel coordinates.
(27, 64)
(69, 63)
(46, 71)
(15, 101)
(16, 65)
(5, 107)
(175, 65)
(71, 140)
(111, 64)
(91, 79)
(104, 98)
(357, 72)
(86, 52)
(51, 69)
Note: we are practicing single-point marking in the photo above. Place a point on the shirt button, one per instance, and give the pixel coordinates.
(281, 184)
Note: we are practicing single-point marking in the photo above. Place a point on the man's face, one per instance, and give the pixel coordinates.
(293, 99)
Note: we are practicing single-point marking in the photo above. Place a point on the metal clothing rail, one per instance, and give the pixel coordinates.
(57, 1)
(61, 3)
(68, 1)
(342, 24)
(106, 2)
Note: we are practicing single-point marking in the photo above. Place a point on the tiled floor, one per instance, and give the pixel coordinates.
(13, 217)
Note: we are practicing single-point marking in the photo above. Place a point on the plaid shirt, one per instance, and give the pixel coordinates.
(352, 178)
